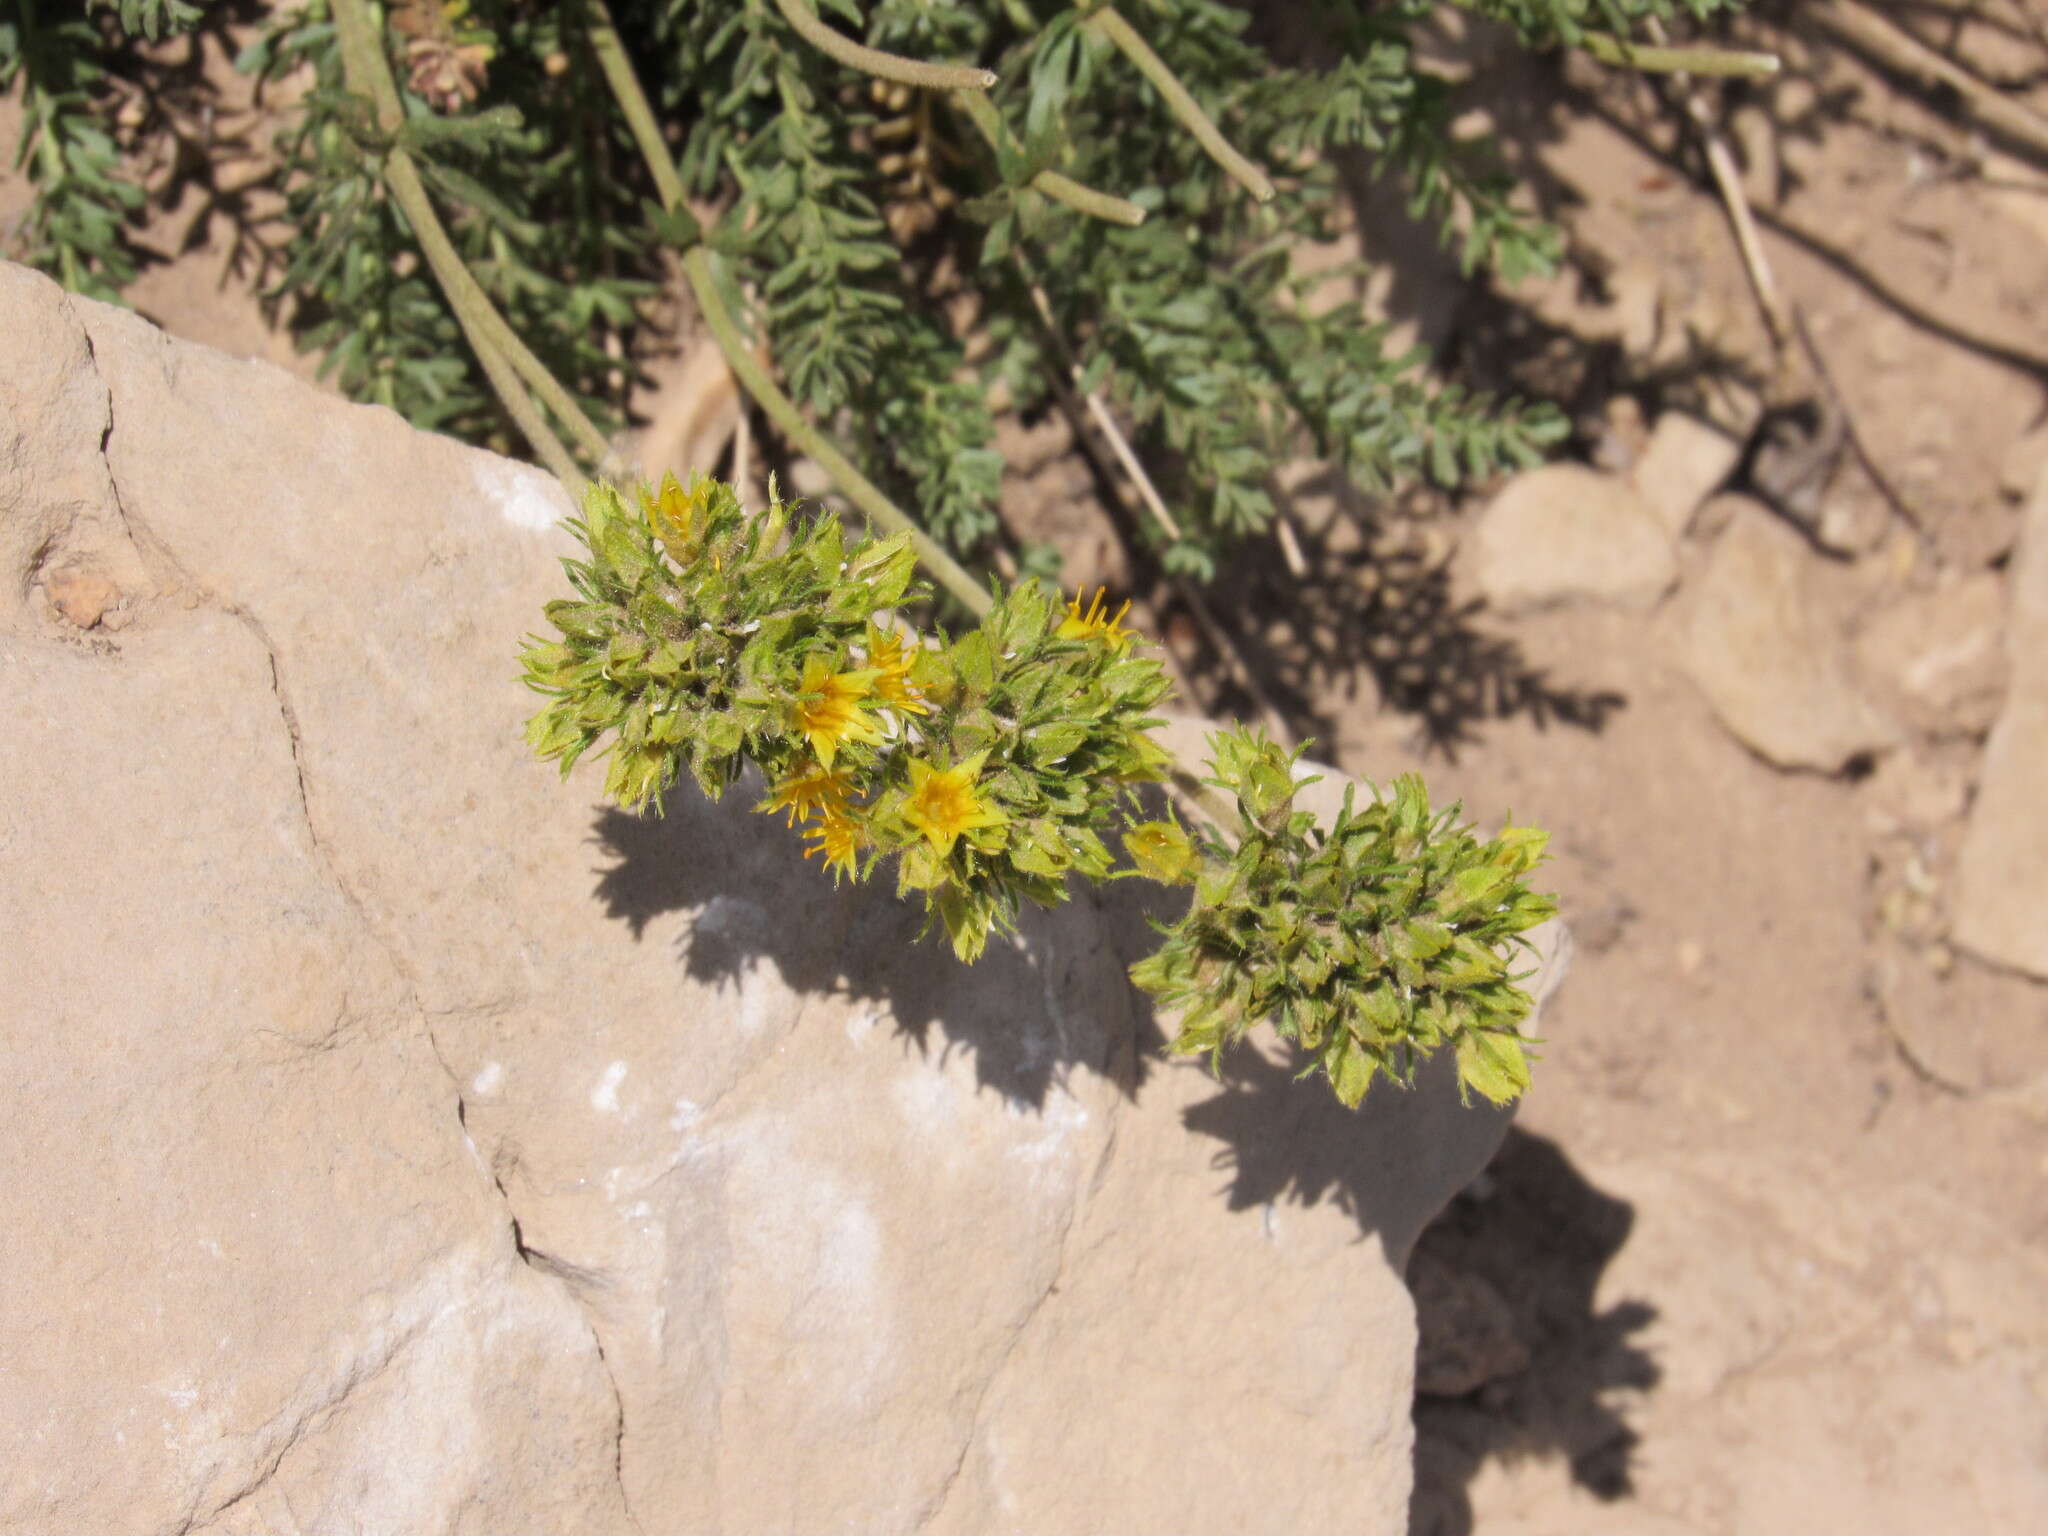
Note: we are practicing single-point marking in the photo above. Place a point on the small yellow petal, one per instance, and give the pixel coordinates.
(837, 839)
(1094, 624)
(827, 709)
(810, 789)
(942, 802)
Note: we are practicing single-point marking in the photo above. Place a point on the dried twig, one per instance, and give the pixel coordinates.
(1098, 411)
(1895, 48)
(1838, 407)
(742, 452)
(1763, 281)
(1290, 545)
(1234, 663)
(1787, 325)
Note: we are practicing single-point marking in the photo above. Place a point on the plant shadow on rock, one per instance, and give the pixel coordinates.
(1539, 1235)
(1286, 1138)
(750, 894)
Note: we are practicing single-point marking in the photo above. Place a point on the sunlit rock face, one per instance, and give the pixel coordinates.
(401, 1141)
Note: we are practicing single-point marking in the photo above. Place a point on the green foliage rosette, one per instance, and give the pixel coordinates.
(983, 766)
(1371, 943)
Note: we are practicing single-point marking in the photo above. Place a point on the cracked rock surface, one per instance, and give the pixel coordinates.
(400, 1141)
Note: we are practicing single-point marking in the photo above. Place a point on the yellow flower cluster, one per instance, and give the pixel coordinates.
(839, 838)
(680, 518)
(874, 703)
(1095, 623)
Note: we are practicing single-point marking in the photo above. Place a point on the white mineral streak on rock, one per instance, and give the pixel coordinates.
(524, 496)
(926, 1099)
(604, 1098)
(1057, 1123)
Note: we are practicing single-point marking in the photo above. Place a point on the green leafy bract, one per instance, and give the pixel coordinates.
(1371, 943)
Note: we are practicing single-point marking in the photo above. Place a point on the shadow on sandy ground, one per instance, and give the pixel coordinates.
(1535, 1231)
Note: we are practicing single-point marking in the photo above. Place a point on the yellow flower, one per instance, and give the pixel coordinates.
(827, 709)
(809, 790)
(1094, 624)
(1163, 851)
(680, 518)
(838, 838)
(942, 803)
(886, 655)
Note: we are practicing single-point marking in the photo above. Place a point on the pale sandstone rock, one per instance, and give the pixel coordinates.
(255, 1277)
(1936, 659)
(2001, 903)
(1774, 676)
(322, 991)
(1685, 461)
(1565, 533)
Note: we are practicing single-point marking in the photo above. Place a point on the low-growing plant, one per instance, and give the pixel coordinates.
(990, 768)
(1060, 212)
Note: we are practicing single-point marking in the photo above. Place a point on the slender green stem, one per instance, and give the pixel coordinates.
(625, 84)
(498, 347)
(1100, 205)
(888, 66)
(1061, 189)
(739, 356)
(1671, 61)
(403, 178)
(1109, 25)
(783, 411)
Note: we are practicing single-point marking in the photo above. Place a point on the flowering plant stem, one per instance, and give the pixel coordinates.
(986, 769)
(697, 270)
(862, 492)
(782, 410)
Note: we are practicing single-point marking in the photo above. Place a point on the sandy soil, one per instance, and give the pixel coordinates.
(1767, 1251)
